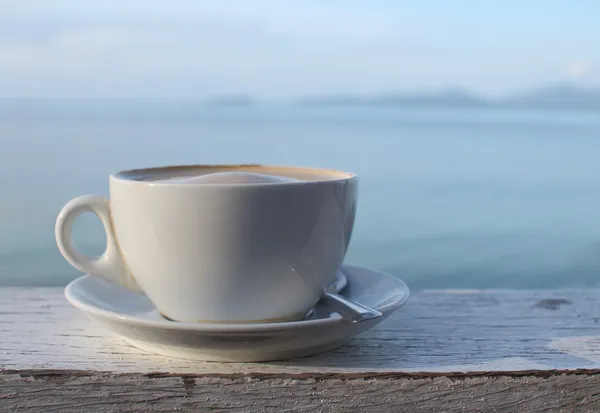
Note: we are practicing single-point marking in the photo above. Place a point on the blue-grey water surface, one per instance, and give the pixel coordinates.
(462, 198)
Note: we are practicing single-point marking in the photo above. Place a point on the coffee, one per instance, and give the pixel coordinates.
(282, 174)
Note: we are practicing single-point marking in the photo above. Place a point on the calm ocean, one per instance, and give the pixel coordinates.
(462, 198)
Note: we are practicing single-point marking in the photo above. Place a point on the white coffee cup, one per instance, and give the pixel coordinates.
(249, 244)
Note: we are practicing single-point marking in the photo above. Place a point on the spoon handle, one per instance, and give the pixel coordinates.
(349, 309)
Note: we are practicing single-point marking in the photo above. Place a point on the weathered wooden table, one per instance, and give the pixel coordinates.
(445, 351)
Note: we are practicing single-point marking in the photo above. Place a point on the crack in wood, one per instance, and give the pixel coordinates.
(188, 378)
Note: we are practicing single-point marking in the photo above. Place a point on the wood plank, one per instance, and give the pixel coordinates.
(142, 393)
(437, 331)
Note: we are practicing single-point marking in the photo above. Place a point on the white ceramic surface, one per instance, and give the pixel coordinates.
(258, 248)
(133, 317)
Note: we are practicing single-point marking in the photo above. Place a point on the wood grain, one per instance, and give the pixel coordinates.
(446, 351)
(437, 331)
(141, 393)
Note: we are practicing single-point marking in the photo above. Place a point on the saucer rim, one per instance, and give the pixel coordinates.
(401, 298)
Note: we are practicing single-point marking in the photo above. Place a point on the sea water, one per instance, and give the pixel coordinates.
(461, 198)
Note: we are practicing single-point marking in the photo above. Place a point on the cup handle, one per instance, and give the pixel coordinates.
(110, 264)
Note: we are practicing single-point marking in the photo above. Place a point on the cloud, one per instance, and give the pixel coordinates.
(203, 56)
(266, 47)
(76, 49)
(579, 69)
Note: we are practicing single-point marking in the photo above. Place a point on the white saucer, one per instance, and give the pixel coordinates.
(133, 317)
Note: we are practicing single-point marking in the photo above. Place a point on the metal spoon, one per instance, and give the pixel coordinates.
(347, 308)
(350, 309)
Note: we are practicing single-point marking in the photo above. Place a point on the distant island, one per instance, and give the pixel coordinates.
(561, 95)
(444, 98)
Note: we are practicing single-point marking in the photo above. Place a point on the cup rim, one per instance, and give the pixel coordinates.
(129, 175)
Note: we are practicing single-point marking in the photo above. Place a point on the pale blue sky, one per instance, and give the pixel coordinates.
(281, 49)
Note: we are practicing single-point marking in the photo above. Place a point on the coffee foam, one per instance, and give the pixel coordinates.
(234, 174)
(230, 177)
